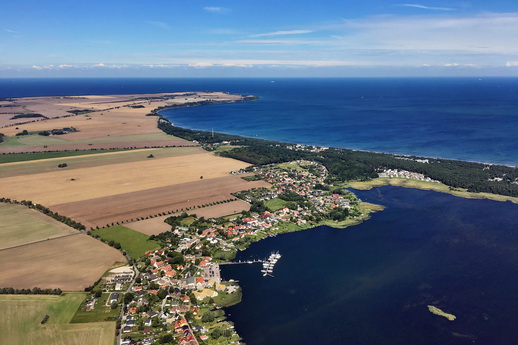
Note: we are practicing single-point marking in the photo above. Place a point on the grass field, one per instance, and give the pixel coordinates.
(100, 313)
(438, 187)
(20, 225)
(33, 140)
(133, 242)
(275, 204)
(20, 321)
(23, 157)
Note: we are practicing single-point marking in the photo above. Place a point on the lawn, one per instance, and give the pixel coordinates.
(275, 204)
(228, 299)
(101, 312)
(20, 225)
(135, 243)
(20, 321)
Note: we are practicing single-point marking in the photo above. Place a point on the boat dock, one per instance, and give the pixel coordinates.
(268, 264)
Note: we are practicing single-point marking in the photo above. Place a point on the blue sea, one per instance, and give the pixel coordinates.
(458, 118)
(369, 284)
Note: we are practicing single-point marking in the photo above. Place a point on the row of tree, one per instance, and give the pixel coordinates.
(33, 291)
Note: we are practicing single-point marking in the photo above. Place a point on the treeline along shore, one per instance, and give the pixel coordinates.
(348, 165)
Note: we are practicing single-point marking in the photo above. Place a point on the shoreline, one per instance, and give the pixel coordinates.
(290, 226)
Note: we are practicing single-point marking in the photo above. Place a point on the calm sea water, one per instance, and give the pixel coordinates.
(371, 284)
(459, 118)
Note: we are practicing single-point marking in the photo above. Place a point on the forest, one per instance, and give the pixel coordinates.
(347, 165)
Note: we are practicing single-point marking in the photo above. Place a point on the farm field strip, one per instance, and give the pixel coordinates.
(53, 188)
(92, 160)
(123, 207)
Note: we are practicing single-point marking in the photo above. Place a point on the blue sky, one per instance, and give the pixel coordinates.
(251, 38)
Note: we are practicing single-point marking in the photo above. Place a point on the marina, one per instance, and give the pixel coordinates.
(268, 263)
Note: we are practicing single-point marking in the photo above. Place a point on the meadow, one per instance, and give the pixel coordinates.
(136, 244)
(20, 321)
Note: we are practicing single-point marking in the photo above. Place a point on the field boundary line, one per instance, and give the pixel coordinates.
(39, 241)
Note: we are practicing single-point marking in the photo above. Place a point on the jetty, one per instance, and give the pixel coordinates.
(242, 262)
(268, 264)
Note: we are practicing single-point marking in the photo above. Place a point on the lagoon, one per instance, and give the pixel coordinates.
(372, 283)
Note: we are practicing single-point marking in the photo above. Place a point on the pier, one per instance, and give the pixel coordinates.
(267, 264)
(242, 262)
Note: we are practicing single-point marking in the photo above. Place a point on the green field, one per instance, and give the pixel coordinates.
(21, 316)
(275, 204)
(20, 225)
(75, 160)
(135, 243)
(33, 140)
(40, 140)
(101, 312)
(23, 157)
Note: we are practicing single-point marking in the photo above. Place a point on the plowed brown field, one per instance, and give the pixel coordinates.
(122, 207)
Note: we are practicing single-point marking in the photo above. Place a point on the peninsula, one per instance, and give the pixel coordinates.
(169, 205)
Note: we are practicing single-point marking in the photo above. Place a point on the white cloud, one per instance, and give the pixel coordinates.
(511, 64)
(427, 7)
(99, 65)
(11, 31)
(46, 67)
(486, 33)
(215, 9)
(270, 62)
(280, 33)
(200, 64)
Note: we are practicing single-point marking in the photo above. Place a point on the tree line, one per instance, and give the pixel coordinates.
(346, 165)
(33, 291)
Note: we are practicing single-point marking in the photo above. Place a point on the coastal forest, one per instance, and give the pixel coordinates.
(347, 165)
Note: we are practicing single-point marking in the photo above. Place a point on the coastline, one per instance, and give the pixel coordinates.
(438, 187)
(368, 208)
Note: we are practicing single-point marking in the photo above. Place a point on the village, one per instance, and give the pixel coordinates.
(176, 294)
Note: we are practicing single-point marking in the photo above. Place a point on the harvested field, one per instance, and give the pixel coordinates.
(122, 207)
(223, 209)
(91, 160)
(155, 226)
(20, 321)
(71, 185)
(70, 263)
(151, 226)
(20, 225)
(99, 121)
